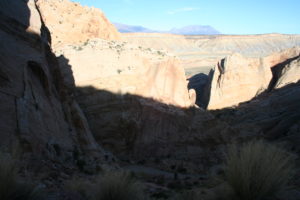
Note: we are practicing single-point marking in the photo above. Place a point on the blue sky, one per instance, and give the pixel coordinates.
(227, 16)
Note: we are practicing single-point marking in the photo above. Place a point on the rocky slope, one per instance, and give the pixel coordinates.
(199, 54)
(275, 115)
(71, 23)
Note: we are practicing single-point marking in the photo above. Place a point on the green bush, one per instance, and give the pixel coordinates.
(258, 170)
(118, 186)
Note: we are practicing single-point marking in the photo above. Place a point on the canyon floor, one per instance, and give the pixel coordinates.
(79, 100)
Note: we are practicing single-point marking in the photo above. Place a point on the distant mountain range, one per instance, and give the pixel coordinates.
(187, 30)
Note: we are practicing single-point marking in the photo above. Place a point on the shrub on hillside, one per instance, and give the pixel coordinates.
(187, 195)
(118, 186)
(10, 187)
(258, 170)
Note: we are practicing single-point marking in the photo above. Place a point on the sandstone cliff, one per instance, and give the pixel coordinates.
(69, 22)
(123, 68)
(237, 79)
(289, 74)
(114, 66)
(38, 114)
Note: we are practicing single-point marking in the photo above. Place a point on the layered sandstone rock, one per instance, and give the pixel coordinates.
(69, 22)
(122, 68)
(237, 79)
(38, 114)
(199, 54)
(289, 74)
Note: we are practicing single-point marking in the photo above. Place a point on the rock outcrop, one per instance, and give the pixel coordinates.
(71, 23)
(38, 114)
(123, 68)
(289, 74)
(237, 79)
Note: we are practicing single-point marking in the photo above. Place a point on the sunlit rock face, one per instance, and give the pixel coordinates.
(237, 79)
(122, 68)
(71, 23)
(114, 66)
(289, 74)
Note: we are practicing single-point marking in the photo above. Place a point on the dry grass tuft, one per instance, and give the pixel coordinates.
(258, 170)
(118, 186)
(10, 187)
(109, 186)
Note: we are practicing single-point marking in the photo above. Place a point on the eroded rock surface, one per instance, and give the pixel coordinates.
(121, 68)
(237, 79)
(71, 23)
(290, 74)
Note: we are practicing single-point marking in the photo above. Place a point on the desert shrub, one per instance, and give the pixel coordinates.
(258, 170)
(118, 186)
(188, 195)
(10, 187)
(80, 186)
(8, 173)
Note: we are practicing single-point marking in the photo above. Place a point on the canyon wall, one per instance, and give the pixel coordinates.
(39, 117)
(237, 79)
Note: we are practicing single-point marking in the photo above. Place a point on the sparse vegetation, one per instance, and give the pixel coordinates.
(161, 53)
(118, 186)
(79, 48)
(258, 170)
(86, 42)
(11, 188)
(110, 186)
(187, 195)
(81, 187)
